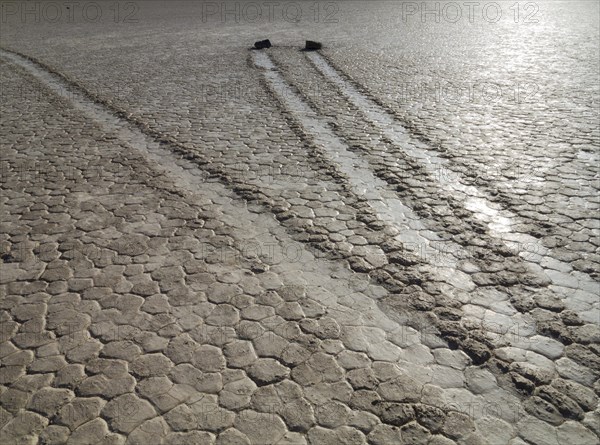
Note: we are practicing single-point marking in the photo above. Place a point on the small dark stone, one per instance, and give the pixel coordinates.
(358, 264)
(284, 216)
(391, 245)
(8, 258)
(447, 301)
(587, 334)
(585, 266)
(545, 316)
(380, 276)
(376, 225)
(595, 348)
(313, 46)
(409, 278)
(263, 44)
(585, 397)
(534, 280)
(500, 365)
(259, 267)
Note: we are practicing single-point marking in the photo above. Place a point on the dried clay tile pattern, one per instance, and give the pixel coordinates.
(170, 276)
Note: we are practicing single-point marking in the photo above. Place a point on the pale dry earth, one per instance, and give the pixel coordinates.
(206, 244)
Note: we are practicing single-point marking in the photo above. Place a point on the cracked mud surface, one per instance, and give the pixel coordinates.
(295, 274)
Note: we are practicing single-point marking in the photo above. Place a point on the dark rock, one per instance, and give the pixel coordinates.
(412, 289)
(545, 316)
(380, 276)
(421, 301)
(505, 278)
(257, 267)
(313, 46)
(536, 280)
(284, 216)
(409, 278)
(448, 301)
(585, 266)
(392, 245)
(595, 348)
(495, 363)
(587, 334)
(481, 337)
(522, 304)
(376, 225)
(358, 264)
(8, 258)
(263, 44)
